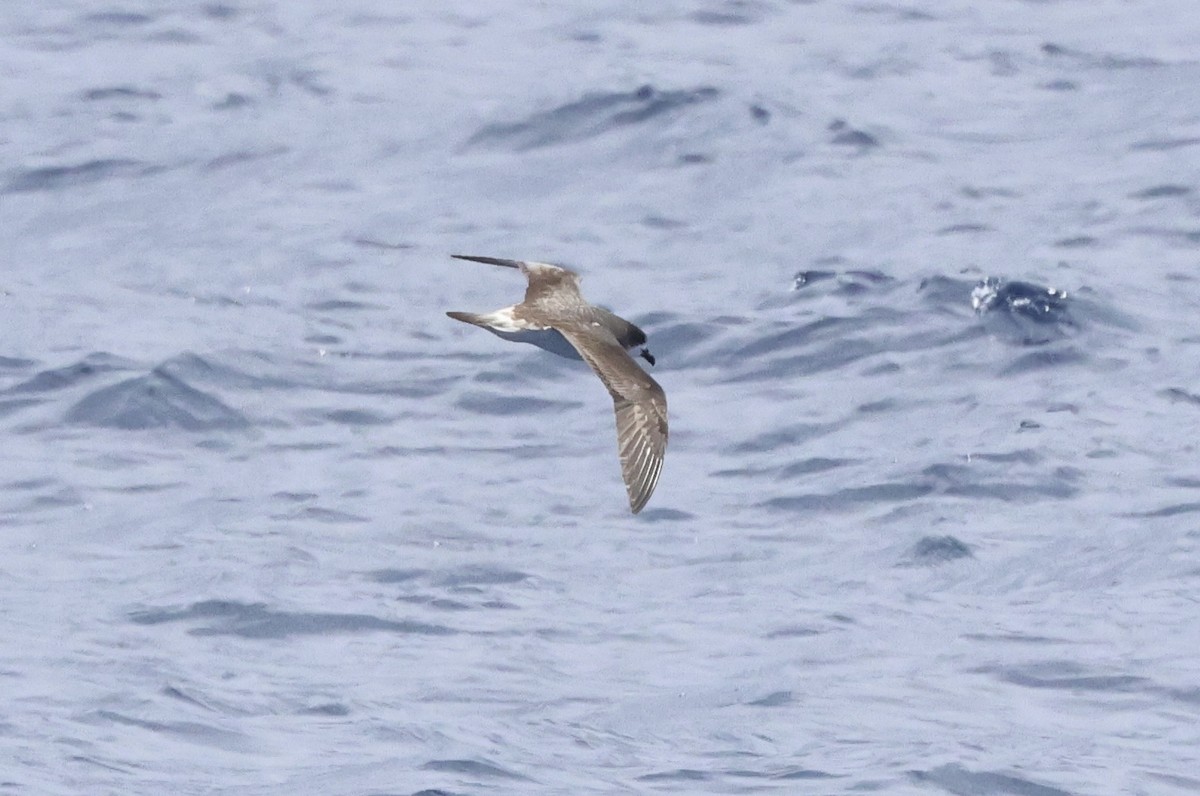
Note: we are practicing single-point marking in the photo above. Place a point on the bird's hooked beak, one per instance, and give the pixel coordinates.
(646, 355)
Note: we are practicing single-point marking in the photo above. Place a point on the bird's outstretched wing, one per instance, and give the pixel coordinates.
(640, 404)
(551, 286)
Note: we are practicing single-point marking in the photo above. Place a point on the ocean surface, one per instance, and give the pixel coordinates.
(271, 523)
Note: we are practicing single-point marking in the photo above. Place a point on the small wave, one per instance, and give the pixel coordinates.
(257, 621)
(956, 779)
(55, 178)
(593, 115)
(156, 400)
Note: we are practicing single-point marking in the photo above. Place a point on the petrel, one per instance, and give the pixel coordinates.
(555, 316)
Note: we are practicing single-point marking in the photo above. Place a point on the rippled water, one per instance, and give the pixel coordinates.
(273, 524)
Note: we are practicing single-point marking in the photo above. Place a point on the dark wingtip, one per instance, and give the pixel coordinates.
(488, 260)
(646, 355)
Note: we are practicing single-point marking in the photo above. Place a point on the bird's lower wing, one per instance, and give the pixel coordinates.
(641, 409)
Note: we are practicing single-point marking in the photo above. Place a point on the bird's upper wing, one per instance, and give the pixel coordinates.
(640, 403)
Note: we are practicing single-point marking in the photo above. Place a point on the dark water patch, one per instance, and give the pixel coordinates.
(220, 11)
(809, 467)
(897, 11)
(178, 694)
(1060, 85)
(946, 292)
(1175, 235)
(958, 780)
(1101, 61)
(371, 243)
(882, 369)
(793, 632)
(851, 498)
(396, 575)
(967, 481)
(847, 282)
(1190, 784)
(146, 489)
(175, 36)
(439, 603)
(339, 305)
(118, 18)
(962, 229)
(355, 417)
(497, 404)
(330, 709)
(1179, 395)
(295, 497)
(661, 222)
(319, 514)
(257, 621)
(828, 356)
(1186, 482)
(1163, 144)
(1161, 191)
(793, 774)
(232, 101)
(678, 775)
(156, 400)
(191, 367)
(473, 768)
(242, 156)
(54, 178)
(1044, 359)
(822, 329)
(1064, 676)
(934, 550)
(1168, 511)
(61, 378)
(119, 93)
(1076, 242)
(847, 136)
(86, 760)
(1006, 638)
(15, 363)
(665, 515)
(480, 576)
(730, 14)
(302, 447)
(51, 495)
(192, 731)
(759, 114)
(743, 472)
(775, 699)
(31, 484)
(12, 406)
(788, 437)
(988, 192)
(1021, 456)
(1190, 696)
(591, 116)
(406, 388)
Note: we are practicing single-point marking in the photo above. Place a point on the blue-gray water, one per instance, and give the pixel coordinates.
(273, 524)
